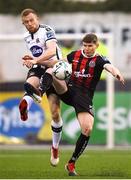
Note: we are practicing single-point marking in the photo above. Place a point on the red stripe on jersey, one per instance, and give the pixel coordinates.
(74, 64)
(91, 72)
(82, 68)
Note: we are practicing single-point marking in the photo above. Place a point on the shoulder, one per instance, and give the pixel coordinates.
(46, 27)
(102, 60)
(26, 35)
(71, 54)
(76, 52)
(48, 32)
(101, 57)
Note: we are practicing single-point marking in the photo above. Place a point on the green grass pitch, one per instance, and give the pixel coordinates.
(93, 164)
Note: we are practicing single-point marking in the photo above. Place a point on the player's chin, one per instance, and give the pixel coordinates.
(32, 30)
(89, 54)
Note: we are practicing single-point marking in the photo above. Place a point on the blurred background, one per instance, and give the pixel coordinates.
(111, 21)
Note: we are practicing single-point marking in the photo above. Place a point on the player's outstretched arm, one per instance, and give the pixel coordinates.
(115, 72)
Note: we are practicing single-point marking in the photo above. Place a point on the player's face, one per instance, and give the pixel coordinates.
(89, 48)
(31, 22)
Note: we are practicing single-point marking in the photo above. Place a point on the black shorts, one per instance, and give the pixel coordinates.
(37, 71)
(81, 101)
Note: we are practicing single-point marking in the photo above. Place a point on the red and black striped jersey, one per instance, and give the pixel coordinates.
(86, 71)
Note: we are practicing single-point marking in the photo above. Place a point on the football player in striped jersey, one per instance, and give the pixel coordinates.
(87, 67)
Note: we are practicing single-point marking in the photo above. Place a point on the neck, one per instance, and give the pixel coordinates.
(88, 56)
(35, 30)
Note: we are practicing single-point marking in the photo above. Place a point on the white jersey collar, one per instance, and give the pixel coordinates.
(82, 51)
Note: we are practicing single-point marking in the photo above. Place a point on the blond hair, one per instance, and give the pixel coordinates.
(27, 11)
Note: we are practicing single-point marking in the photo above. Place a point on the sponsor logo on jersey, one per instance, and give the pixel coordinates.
(81, 74)
(75, 60)
(36, 51)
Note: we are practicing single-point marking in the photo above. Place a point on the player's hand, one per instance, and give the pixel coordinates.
(27, 57)
(29, 63)
(120, 78)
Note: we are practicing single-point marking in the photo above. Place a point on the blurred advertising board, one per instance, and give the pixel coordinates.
(122, 120)
(13, 130)
(37, 126)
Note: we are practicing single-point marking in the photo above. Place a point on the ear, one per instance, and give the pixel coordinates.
(97, 45)
(37, 17)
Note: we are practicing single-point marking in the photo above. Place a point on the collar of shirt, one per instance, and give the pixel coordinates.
(82, 51)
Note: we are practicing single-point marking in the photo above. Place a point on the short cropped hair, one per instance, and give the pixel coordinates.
(27, 11)
(90, 38)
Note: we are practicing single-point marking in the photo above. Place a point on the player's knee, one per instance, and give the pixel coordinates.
(49, 71)
(86, 130)
(29, 89)
(56, 116)
(55, 113)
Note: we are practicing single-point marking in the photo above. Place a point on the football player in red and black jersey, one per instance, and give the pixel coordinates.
(87, 67)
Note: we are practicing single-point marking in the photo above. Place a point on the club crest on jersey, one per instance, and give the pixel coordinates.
(27, 39)
(37, 40)
(36, 51)
(92, 64)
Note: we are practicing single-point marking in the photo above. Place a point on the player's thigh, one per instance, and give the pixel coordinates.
(34, 81)
(34, 75)
(59, 85)
(86, 121)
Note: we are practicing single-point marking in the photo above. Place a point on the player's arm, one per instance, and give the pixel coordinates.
(114, 71)
(44, 59)
(48, 54)
(50, 63)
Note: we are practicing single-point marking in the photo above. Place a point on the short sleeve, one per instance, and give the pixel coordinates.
(70, 57)
(102, 60)
(49, 33)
